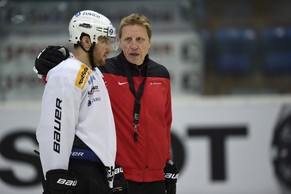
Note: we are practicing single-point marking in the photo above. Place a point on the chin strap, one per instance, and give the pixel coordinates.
(90, 52)
(91, 56)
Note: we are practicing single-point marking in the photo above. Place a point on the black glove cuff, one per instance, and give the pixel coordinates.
(171, 172)
(120, 184)
(59, 182)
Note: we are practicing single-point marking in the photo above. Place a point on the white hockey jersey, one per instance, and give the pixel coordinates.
(75, 102)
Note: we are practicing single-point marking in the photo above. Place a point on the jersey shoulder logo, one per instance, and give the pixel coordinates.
(82, 76)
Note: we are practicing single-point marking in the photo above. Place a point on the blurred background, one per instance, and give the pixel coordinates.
(211, 47)
(230, 64)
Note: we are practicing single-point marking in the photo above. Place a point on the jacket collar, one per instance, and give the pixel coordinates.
(122, 58)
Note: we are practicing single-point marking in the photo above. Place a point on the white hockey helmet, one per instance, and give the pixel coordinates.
(91, 23)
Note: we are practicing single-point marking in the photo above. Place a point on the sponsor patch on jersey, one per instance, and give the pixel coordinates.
(83, 76)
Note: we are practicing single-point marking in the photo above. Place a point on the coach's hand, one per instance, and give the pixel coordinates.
(49, 58)
(59, 182)
(171, 176)
(120, 185)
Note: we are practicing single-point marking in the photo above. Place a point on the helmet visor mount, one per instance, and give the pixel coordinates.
(108, 33)
(111, 33)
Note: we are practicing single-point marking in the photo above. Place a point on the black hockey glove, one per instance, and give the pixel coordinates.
(59, 182)
(49, 58)
(171, 176)
(120, 185)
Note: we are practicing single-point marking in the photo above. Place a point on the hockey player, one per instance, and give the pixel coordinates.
(76, 130)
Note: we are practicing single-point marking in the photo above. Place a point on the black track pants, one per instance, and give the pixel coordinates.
(157, 187)
(91, 177)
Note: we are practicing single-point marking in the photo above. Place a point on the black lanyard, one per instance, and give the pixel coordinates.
(137, 95)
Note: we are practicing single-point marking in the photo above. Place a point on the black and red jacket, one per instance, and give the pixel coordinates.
(142, 160)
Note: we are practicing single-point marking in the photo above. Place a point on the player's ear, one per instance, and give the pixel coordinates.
(86, 42)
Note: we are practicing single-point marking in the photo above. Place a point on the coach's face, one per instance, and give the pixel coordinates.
(135, 43)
